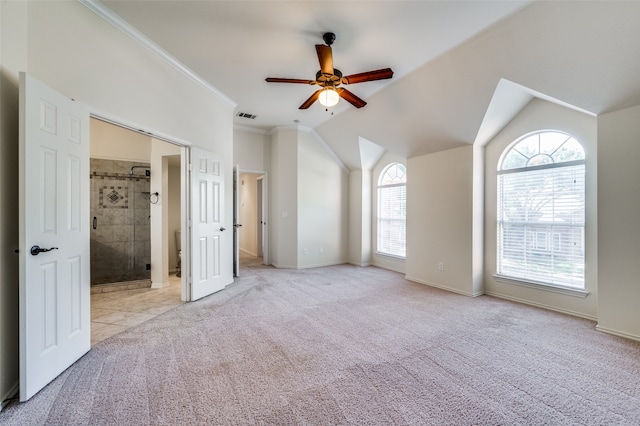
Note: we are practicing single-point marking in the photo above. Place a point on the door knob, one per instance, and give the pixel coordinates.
(222, 228)
(36, 250)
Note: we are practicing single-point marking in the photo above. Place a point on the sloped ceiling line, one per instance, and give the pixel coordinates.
(330, 151)
(507, 101)
(370, 153)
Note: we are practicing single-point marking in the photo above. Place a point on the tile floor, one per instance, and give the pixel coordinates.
(115, 312)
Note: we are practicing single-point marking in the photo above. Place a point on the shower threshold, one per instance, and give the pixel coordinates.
(124, 285)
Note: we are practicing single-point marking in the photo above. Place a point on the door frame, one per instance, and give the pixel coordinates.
(264, 229)
(236, 225)
(261, 219)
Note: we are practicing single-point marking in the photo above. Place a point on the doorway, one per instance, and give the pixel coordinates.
(252, 217)
(135, 242)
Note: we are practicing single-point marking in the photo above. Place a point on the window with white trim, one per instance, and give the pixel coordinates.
(392, 210)
(541, 210)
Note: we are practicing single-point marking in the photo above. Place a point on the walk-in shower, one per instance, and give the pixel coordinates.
(120, 237)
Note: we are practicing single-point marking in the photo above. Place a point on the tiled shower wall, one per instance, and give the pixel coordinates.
(120, 238)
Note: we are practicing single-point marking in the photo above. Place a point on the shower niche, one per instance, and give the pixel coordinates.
(120, 219)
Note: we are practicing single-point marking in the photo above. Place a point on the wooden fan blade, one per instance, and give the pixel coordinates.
(288, 80)
(368, 76)
(325, 57)
(311, 100)
(350, 97)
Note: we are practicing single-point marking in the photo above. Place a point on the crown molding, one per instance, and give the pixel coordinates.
(250, 129)
(296, 127)
(97, 7)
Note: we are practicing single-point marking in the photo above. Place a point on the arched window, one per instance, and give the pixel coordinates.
(392, 210)
(541, 210)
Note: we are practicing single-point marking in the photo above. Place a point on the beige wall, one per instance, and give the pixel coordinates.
(619, 222)
(439, 219)
(309, 201)
(323, 213)
(540, 115)
(12, 59)
(252, 150)
(283, 224)
(71, 49)
(360, 208)
(112, 142)
(159, 221)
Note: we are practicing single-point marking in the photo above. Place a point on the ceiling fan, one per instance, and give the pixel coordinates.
(329, 78)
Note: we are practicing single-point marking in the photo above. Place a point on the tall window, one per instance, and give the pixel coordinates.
(541, 210)
(392, 210)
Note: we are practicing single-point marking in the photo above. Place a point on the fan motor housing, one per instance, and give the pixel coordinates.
(329, 38)
(329, 79)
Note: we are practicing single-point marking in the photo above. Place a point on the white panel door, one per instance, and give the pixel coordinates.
(236, 225)
(54, 234)
(207, 224)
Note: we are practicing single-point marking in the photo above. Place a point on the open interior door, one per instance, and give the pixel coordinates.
(54, 234)
(207, 224)
(261, 218)
(236, 225)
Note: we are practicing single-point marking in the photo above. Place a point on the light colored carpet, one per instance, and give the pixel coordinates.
(346, 345)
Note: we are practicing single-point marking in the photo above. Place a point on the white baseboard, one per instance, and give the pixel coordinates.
(13, 392)
(618, 333)
(277, 265)
(363, 264)
(443, 287)
(341, 262)
(387, 267)
(159, 285)
(321, 265)
(541, 305)
(249, 252)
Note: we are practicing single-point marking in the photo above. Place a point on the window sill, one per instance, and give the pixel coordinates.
(575, 292)
(391, 256)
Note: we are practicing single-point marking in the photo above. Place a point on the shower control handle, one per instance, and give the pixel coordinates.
(36, 250)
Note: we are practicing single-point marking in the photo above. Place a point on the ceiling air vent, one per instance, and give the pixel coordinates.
(245, 115)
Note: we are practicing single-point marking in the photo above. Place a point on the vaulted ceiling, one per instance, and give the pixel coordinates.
(463, 69)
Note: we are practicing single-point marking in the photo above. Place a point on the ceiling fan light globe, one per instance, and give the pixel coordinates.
(328, 97)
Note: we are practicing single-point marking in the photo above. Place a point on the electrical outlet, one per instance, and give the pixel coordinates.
(305, 251)
(440, 266)
(321, 249)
